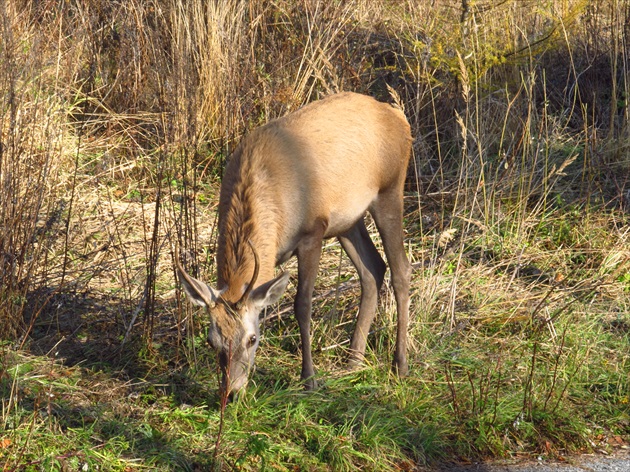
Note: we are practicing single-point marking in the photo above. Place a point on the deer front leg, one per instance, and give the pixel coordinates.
(308, 253)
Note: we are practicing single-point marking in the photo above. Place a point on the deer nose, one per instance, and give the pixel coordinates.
(238, 384)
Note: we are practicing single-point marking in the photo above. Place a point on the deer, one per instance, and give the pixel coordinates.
(290, 184)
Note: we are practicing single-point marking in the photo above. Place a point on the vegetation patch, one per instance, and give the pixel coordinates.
(116, 120)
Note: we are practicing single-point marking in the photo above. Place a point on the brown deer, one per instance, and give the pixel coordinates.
(289, 185)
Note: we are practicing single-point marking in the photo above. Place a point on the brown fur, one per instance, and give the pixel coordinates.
(257, 199)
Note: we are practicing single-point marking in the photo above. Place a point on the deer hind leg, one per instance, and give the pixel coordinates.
(371, 269)
(309, 252)
(387, 212)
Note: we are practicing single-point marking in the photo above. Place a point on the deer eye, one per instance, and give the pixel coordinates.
(251, 341)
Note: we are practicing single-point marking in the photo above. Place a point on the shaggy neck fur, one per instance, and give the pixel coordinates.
(244, 215)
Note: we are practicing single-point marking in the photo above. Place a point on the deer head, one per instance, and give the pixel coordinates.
(234, 325)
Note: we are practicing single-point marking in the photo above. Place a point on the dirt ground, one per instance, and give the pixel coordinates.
(617, 462)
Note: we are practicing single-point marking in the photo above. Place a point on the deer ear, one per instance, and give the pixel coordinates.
(270, 292)
(198, 292)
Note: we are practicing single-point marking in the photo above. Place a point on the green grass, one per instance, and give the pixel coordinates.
(494, 387)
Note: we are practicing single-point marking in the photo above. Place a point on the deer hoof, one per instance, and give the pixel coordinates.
(400, 368)
(310, 384)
